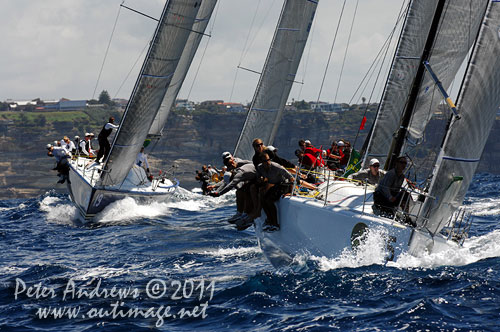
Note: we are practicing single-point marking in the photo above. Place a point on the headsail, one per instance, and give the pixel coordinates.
(278, 75)
(457, 32)
(165, 50)
(478, 104)
(458, 26)
(199, 27)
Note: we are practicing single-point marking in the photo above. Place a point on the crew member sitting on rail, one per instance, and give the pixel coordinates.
(68, 145)
(277, 181)
(62, 165)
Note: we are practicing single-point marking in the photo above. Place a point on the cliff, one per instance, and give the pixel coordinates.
(190, 140)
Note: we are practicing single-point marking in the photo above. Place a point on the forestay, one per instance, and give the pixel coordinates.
(478, 104)
(199, 27)
(277, 75)
(165, 50)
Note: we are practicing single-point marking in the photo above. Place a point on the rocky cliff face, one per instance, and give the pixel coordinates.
(194, 139)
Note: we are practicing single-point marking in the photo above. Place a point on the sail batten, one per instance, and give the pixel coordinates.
(169, 40)
(276, 79)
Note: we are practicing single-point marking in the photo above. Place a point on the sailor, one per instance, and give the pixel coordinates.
(86, 147)
(371, 175)
(142, 161)
(258, 148)
(333, 156)
(76, 141)
(62, 165)
(277, 181)
(388, 194)
(345, 147)
(68, 145)
(244, 176)
(104, 146)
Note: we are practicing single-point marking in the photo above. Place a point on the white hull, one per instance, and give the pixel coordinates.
(308, 226)
(91, 199)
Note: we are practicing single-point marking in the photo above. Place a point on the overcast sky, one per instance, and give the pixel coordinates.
(54, 48)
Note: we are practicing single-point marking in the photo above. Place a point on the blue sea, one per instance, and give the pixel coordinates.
(179, 266)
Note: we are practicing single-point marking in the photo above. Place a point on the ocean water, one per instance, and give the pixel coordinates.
(179, 266)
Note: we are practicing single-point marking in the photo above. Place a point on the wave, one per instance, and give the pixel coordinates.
(373, 252)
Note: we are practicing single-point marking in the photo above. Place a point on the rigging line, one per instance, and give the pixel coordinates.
(331, 51)
(204, 51)
(243, 50)
(386, 44)
(375, 83)
(264, 19)
(346, 50)
(133, 66)
(308, 57)
(386, 47)
(107, 49)
(138, 12)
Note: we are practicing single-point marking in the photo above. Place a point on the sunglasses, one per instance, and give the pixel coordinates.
(376, 165)
(258, 144)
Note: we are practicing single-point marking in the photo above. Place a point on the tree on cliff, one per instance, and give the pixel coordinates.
(104, 98)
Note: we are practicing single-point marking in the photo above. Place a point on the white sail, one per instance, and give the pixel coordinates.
(404, 68)
(165, 50)
(457, 30)
(478, 104)
(199, 27)
(277, 75)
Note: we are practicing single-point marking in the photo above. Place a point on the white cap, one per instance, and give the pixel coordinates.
(271, 148)
(374, 161)
(91, 134)
(226, 154)
(87, 134)
(77, 137)
(49, 146)
(340, 143)
(56, 142)
(307, 141)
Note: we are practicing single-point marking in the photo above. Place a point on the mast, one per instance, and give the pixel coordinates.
(399, 140)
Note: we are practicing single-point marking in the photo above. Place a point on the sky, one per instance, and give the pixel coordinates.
(54, 49)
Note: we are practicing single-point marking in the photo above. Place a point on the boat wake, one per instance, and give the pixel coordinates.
(374, 252)
(60, 210)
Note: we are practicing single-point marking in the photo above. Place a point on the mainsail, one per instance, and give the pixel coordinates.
(458, 26)
(478, 104)
(165, 50)
(199, 27)
(277, 75)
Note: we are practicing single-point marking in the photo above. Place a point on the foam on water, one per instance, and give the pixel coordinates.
(485, 207)
(370, 251)
(373, 252)
(58, 211)
(224, 253)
